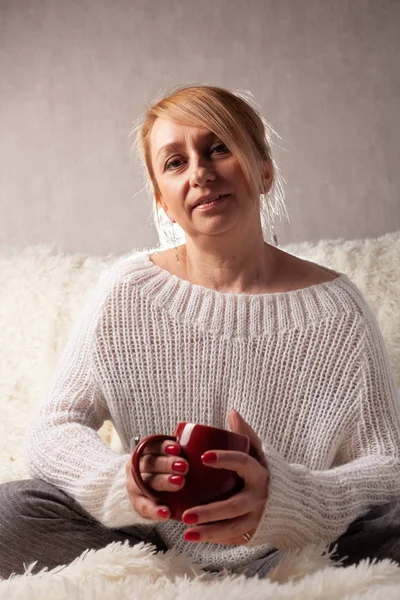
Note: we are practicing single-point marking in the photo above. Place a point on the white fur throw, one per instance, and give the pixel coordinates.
(41, 293)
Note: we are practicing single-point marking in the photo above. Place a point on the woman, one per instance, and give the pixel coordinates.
(224, 329)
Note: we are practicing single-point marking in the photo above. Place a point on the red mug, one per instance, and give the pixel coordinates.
(203, 484)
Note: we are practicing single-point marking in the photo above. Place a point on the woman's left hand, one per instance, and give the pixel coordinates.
(227, 521)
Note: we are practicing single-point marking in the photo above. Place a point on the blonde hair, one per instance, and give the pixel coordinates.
(240, 127)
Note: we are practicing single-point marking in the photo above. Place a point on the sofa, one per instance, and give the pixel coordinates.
(42, 291)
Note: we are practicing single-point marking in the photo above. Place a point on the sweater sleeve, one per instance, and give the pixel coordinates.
(306, 506)
(63, 446)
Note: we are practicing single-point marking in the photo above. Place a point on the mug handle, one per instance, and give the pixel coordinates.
(137, 455)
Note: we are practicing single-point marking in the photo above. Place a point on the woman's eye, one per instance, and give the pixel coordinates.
(224, 148)
(221, 149)
(171, 162)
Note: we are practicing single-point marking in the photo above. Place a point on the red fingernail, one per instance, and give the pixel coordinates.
(163, 512)
(174, 450)
(192, 536)
(176, 479)
(179, 466)
(190, 518)
(209, 457)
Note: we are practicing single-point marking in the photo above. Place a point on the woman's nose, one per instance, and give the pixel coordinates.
(201, 174)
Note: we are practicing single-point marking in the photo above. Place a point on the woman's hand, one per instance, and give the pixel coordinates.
(162, 469)
(225, 522)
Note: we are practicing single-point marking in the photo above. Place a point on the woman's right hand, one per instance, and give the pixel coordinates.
(162, 469)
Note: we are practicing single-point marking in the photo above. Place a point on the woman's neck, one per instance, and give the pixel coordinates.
(249, 269)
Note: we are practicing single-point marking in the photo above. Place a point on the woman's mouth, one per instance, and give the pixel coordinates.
(211, 203)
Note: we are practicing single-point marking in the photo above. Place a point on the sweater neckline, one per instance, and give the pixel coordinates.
(196, 288)
(243, 316)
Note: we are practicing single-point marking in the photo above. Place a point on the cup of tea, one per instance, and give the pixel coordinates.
(202, 484)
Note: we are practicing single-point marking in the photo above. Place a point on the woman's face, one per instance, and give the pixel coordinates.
(191, 163)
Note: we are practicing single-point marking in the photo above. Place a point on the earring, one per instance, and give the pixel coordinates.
(178, 262)
(266, 218)
(274, 237)
(272, 233)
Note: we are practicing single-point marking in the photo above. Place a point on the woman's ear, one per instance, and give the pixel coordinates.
(160, 202)
(268, 177)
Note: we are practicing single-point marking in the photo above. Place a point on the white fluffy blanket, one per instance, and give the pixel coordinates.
(138, 573)
(41, 293)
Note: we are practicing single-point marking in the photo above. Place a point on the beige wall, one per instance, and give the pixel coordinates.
(75, 74)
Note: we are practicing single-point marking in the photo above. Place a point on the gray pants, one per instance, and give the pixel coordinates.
(39, 522)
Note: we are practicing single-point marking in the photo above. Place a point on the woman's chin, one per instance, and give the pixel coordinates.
(216, 228)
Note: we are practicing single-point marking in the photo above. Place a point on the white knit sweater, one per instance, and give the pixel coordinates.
(307, 369)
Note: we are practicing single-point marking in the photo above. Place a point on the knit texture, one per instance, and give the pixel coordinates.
(307, 369)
